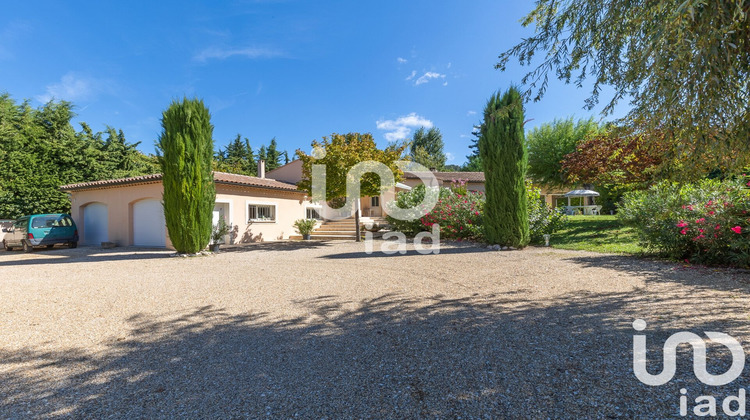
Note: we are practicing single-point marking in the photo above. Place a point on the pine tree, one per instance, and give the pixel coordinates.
(262, 153)
(503, 154)
(186, 157)
(473, 161)
(272, 155)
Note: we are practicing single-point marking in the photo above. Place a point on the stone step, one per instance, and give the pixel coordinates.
(334, 232)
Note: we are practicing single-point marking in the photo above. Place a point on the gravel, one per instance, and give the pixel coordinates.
(323, 330)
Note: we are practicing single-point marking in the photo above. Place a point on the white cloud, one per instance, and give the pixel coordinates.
(412, 75)
(470, 113)
(73, 88)
(400, 128)
(449, 156)
(224, 53)
(401, 60)
(450, 65)
(425, 78)
(445, 83)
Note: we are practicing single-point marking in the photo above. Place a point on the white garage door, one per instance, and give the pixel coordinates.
(95, 224)
(149, 228)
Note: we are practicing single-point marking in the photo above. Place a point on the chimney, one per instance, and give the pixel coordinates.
(261, 168)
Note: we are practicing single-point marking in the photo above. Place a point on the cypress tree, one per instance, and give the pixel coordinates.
(504, 160)
(186, 149)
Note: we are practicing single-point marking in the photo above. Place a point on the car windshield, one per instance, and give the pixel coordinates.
(50, 221)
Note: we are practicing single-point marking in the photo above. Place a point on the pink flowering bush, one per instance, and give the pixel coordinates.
(706, 223)
(459, 214)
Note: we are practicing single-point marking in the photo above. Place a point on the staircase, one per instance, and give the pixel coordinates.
(332, 230)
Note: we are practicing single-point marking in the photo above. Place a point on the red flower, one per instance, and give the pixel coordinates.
(682, 224)
(684, 231)
(701, 220)
(737, 229)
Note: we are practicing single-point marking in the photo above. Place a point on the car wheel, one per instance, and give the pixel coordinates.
(7, 248)
(73, 245)
(50, 246)
(27, 247)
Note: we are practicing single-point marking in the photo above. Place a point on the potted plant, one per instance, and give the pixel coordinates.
(220, 230)
(305, 227)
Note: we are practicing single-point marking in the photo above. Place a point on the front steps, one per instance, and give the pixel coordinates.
(341, 230)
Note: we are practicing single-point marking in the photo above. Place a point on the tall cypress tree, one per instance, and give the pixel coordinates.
(186, 149)
(503, 155)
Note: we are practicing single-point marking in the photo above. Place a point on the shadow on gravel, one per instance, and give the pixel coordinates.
(480, 356)
(711, 278)
(378, 253)
(83, 254)
(275, 246)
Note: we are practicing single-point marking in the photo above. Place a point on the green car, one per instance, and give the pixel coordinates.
(41, 230)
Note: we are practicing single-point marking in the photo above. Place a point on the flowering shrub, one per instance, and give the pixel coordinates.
(410, 199)
(706, 223)
(459, 215)
(542, 218)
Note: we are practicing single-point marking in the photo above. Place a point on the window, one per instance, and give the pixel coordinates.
(261, 213)
(313, 213)
(375, 201)
(41, 222)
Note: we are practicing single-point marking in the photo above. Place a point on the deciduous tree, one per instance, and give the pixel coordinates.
(549, 143)
(427, 148)
(684, 65)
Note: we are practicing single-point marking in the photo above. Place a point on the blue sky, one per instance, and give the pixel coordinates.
(294, 70)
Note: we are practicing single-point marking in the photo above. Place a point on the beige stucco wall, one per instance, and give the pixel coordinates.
(119, 200)
(290, 206)
(291, 172)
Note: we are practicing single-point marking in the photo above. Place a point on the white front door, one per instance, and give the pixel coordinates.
(149, 227)
(95, 224)
(221, 210)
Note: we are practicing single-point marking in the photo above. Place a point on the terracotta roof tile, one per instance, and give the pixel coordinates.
(450, 176)
(219, 178)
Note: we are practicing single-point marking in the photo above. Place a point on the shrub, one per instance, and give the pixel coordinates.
(543, 219)
(705, 223)
(410, 199)
(305, 226)
(459, 215)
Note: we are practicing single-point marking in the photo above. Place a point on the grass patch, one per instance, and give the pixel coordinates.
(598, 234)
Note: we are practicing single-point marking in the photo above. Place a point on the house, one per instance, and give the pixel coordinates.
(371, 206)
(129, 211)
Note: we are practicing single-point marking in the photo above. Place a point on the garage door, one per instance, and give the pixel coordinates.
(149, 228)
(95, 224)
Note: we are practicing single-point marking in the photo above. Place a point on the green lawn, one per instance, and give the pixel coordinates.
(598, 234)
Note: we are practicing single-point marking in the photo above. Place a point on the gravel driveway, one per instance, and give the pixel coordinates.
(322, 330)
